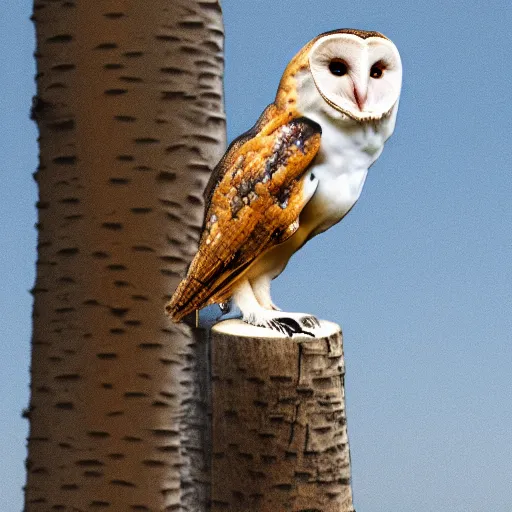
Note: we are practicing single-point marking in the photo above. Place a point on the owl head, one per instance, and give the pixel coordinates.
(346, 73)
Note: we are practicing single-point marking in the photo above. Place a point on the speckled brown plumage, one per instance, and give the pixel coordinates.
(254, 206)
(248, 208)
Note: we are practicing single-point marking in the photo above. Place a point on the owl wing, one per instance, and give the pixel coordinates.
(253, 205)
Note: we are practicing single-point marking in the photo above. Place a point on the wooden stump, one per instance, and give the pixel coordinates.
(279, 426)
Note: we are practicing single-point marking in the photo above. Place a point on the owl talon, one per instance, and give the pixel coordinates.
(291, 326)
(285, 325)
(310, 321)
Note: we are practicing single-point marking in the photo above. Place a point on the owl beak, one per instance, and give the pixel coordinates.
(360, 98)
(360, 88)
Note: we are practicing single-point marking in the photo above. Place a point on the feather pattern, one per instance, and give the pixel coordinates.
(253, 203)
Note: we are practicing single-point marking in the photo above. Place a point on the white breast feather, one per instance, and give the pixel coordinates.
(347, 151)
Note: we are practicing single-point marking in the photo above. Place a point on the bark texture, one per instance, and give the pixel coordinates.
(279, 426)
(131, 122)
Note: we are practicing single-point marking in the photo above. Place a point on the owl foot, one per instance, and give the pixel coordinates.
(285, 323)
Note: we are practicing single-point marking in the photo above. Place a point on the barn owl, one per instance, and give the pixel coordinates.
(297, 172)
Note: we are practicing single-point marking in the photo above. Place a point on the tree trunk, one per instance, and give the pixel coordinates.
(279, 425)
(131, 121)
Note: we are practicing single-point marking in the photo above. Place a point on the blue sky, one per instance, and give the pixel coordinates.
(419, 274)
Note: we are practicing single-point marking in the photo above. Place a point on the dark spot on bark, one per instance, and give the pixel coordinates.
(174, 71)
(150, 346)
(166, 176)
(60, 38)
(40, 471)
(211, 96)
(256, 475)
(98, 434)
(173, 216)
(167, 362)
(62, 126)
(173, 95)
(114, 226)
(119, 181)
(100, 255)
(159, 404)
(63, 67)
(164, 432)
(70, 200)
(57, 85)
(210, 6)
(119, 312)
(69, 487)
(64, 405)
(131, 79)
(168, 449)
(67, 280)
(132, 439)
(141, 210)
(172, 259)
(142, 248)
(154, 463)
(115, 92)
(125, 119)
(122, 483)
(65, 160)
(190, 50)
(92, 474)
(212, 46)
(199, 167)
(146, 140)
(113, 66)
(68, 251)
(64, 310)
(116, 267)
(125, 158)
(106, 355)
(113, 15)
(133, 55)
(117, 331)
(113, 414)
(67, 377)
(106, 46)
(191, 24)
(99, 504)
(167, 38)
(37, 290)
(195, 200)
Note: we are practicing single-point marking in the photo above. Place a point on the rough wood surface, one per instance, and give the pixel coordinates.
(279, 425)
(131, 123)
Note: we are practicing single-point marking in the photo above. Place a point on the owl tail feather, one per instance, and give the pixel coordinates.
(185, 300)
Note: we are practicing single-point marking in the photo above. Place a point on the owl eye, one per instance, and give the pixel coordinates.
(376, 71)
(337, 67)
